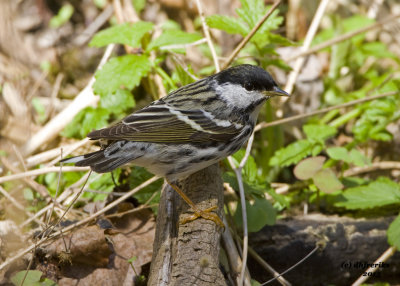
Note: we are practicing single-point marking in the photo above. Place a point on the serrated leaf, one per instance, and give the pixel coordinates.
(121, 72)
(129, 34)
(376, 194)
(117, 102)
(307, 168)
(319, 132)
(291, 154)
(173, 37)
(228, 24)
(338, 153)
(260, 213)
(393, 233)
(327, 181)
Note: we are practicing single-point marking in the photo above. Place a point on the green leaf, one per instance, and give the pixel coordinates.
(228, 24)
(393, 233)
(121, 72)
(173, 37)
(85, 121)
(129, 34)
(139, 5)
(260, 213)
(376, 194)
(117, 102)
(62, 17)
(307, 168)
(31, 279)
(358, 159)
(28, 194)
(319, 132)
(102, 183)
(327, 181)
(39, 108)
(291, 154)
(338, 153)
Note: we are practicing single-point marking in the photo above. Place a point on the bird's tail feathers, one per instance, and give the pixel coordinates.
(98, 161)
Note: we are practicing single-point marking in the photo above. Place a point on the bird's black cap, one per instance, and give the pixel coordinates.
(250, 77)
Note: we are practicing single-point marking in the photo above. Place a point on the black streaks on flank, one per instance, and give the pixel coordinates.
(202, 159)
(185, 152)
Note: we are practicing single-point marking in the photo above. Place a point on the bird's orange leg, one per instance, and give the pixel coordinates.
(206, 214)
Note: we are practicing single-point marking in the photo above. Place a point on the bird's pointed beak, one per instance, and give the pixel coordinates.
(277, 92)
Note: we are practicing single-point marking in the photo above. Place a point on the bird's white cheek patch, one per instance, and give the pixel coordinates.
(237, 96)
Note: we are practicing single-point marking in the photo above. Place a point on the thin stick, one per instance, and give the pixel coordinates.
(11, 199)
(342, 38)
(294, 266)
(238, 172)
(59, 200)
(323, 110)
(385, 256)
(100, 20)
(269, 268)
(385, 165)
(206, 31)
(54, 153)
(73, 226)
(41, 172)
(307, 42)
(85, 98)
(235, 261)
(250, 35)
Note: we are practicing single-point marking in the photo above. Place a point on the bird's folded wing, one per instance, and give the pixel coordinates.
(165, 124)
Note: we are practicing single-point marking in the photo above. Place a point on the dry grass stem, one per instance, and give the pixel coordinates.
(206, 31)
(75, 225)
(323, 110)
(41, 172)
(85, 98)
(343, 37)
(250, 35)
(384, 257)
(307, 42)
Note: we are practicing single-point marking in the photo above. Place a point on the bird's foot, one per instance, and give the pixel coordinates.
(206, 214)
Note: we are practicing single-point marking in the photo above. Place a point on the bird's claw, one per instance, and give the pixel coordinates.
(206, 214)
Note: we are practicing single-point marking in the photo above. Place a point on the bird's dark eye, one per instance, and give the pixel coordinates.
(249, 86)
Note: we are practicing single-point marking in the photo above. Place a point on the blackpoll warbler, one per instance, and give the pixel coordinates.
(191, 128)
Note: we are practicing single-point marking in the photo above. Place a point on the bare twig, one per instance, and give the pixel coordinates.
(343, 37)
(41, 172)
(59, 200)
(385, 256)
(100, 20)
(385, 165)
(294, 266)
(53, 95)
(54, 126)
(238, 172)
(269, 268)
(11, 199)
(323, 110)
(250, 35)
(307, 42)
(206, 31)
(54, 154)
(235, 261)
(75, 225)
